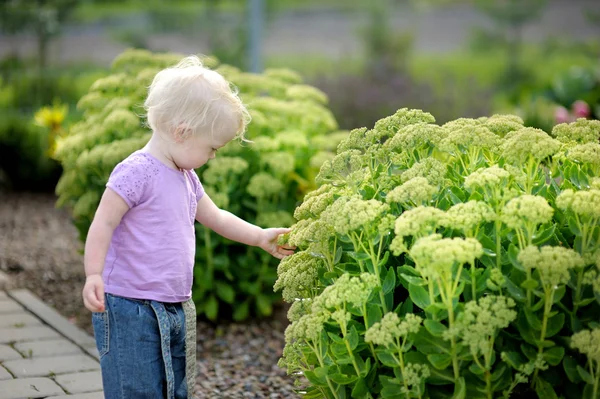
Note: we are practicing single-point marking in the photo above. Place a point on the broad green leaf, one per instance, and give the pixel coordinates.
(390, 281)
(527, 333)
(318, 376)
(554, 355)
(241, 311)
(475, 369)
(263, 304)
(585, 375)
(428, 344)
(440, 361)
(559, 293)
(530, 352)
(514, 359)
(419, 296)
(544, 389)
(211, 308)
(358, 255)
(335, 338)
(360, 389)
(588, 392)
(460, 389)
(570, 367)
(343, 379)
(435, 327)
(529, 284)
(352, 338)
(386, 358)
(555, 324)
(572, 222)
(373, 314)
(515, 292)
(543, 236)
(225, 292)
(513, 253)
(412, 279)
(532, 319)
(407, 307)
(338, 255)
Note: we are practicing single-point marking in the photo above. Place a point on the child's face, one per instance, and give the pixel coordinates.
(197, 150)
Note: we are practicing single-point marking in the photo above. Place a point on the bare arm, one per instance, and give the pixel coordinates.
(232, 227)
(108, 216)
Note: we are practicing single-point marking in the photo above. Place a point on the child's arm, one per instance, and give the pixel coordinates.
(236, 229)
(108, 216)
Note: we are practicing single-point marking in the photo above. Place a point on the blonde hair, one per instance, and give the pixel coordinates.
(193, 98)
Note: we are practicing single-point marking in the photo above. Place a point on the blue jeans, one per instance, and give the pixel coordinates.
(142, 349)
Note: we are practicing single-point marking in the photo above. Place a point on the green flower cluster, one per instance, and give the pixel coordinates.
(298, 275)
(581, 131)
(348, 214)
(526, 210)
(582, 203)
(434, 255)
(418, 222)
(345, 290)
(390, 329)
(588, 343)
(521, 145)
(416, 191)
(489, 178)
(469, 216)
(482, 319)
(553, 263)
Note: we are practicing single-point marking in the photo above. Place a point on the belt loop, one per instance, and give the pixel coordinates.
(165, 343)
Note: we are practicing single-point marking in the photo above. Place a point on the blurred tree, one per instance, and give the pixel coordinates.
(43, 18)
(510, 17)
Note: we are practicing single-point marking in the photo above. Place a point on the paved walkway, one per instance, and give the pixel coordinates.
(43, 355)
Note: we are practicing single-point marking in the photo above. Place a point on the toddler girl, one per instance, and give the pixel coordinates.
(139, 252)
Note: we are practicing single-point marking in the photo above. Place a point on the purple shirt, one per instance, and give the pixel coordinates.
(151, 253)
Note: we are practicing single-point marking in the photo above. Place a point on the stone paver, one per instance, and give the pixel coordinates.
(46, 366)
(29, 388)
(9, 335)
(4, 374)
(21, 319)
(48, 348)
(8, 353)
(90, 381)
(94, 395)
(42, 354)
(10, 306)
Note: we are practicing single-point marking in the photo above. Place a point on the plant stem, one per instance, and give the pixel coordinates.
(400, 361)
(596, 380)
(317, 352)
(497, 227)
(473, 283)
(549, 291)
(578, 291)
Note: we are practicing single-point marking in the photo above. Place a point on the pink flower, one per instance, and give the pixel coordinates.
(562, 115)
(581, 109)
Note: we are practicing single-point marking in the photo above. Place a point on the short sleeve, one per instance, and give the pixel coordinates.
(197, 185)
(130, 179)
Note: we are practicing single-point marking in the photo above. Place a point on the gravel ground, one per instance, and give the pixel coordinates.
(40, 251)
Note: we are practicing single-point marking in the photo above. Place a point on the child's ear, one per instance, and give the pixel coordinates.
(181, 133)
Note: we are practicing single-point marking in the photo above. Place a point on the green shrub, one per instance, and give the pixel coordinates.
(454, 261)
(261, 183)
(24, 161)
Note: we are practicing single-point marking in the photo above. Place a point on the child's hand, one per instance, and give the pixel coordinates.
(268, 242)
(93, 293)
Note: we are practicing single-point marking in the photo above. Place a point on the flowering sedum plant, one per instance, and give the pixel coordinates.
(455, 261)
(260, 182)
